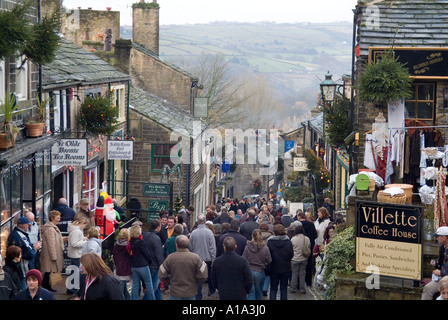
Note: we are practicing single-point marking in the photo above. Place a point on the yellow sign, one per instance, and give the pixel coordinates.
(395, 259)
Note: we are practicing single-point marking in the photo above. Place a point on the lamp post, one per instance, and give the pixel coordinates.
(328, 88)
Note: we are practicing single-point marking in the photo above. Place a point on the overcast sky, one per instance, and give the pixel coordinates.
(204, 11)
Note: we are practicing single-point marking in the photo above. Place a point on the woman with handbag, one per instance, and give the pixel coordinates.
(302, 250)
(52, 254)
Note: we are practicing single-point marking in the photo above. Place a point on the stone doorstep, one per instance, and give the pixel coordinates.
(353, 287)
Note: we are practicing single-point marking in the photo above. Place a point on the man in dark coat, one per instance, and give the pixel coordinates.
(235, 234)
(250, 225)
(154, 244)
(310, 231)
(67, 214)
(231, 273)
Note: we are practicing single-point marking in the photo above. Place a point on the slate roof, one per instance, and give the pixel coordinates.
(317, 122)
(76, 65)
(162, 111)
(411, 23)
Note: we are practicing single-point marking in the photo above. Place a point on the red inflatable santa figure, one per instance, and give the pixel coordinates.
(105, 215)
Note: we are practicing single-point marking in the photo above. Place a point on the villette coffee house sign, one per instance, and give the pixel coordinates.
(388, 238)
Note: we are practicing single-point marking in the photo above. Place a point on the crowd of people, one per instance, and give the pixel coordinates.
(246, 249)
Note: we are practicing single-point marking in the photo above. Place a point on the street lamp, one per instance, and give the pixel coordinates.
(328, 88)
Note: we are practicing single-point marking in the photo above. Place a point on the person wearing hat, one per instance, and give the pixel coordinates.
(34, 290)
(432, 288)
(85, 212)
(19, 237)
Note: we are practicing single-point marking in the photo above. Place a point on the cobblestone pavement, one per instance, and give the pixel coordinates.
(312, 293)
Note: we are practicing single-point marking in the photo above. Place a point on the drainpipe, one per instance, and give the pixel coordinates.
(39, 17)
(353, 167)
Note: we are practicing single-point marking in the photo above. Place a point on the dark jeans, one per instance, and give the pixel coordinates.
(282, 279)
(310, 271)
(211, 286)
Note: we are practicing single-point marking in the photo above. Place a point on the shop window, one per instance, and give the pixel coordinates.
(22, 78)
(118, 99)
(21, 73)
(160, 156)
(89, 186)
(421, 105)
(42, 176)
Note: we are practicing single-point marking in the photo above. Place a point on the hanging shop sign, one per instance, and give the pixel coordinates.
(120, 150)
(200, 107)
(423, 62)
(70, 152)
(300, 164)
(388, 239)
(156, 189)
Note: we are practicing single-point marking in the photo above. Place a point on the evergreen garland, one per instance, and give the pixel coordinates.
(14, 31)
(98, 115)
(44, 41)
(38, 42)
(338, 122)
(316, 166)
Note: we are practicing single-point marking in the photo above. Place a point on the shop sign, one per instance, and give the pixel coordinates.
(120, 150)
(422, 62)
(70, 152)
(300, 164)
(156, 189)
(200, 107)
(157, 205)
(389, 239)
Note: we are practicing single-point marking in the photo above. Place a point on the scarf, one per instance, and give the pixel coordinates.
(129, 246)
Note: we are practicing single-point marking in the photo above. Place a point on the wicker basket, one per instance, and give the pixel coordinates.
(386, 197)
(372, 185)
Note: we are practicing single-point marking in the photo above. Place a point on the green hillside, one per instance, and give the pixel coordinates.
(294, 57)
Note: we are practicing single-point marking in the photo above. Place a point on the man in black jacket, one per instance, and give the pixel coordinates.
(231, 273)
(240, 240)
(250, 224)
(154, 244)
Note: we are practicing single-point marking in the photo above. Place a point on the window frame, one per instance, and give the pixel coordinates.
(154, 156)
(416, 101)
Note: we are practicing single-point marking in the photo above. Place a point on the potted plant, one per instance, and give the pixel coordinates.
(36, 124)
(384, 80)
(9, 130)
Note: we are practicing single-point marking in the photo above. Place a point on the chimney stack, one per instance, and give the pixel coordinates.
(145, 25)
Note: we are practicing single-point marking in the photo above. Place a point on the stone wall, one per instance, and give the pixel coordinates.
(153, 75)
(146, 132)
(145, 28)
(86, 26)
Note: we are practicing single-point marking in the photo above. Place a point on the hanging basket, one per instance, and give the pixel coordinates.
(386, 197)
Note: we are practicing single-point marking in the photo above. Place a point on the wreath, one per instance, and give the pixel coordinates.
(256, 184)
(98, 115)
